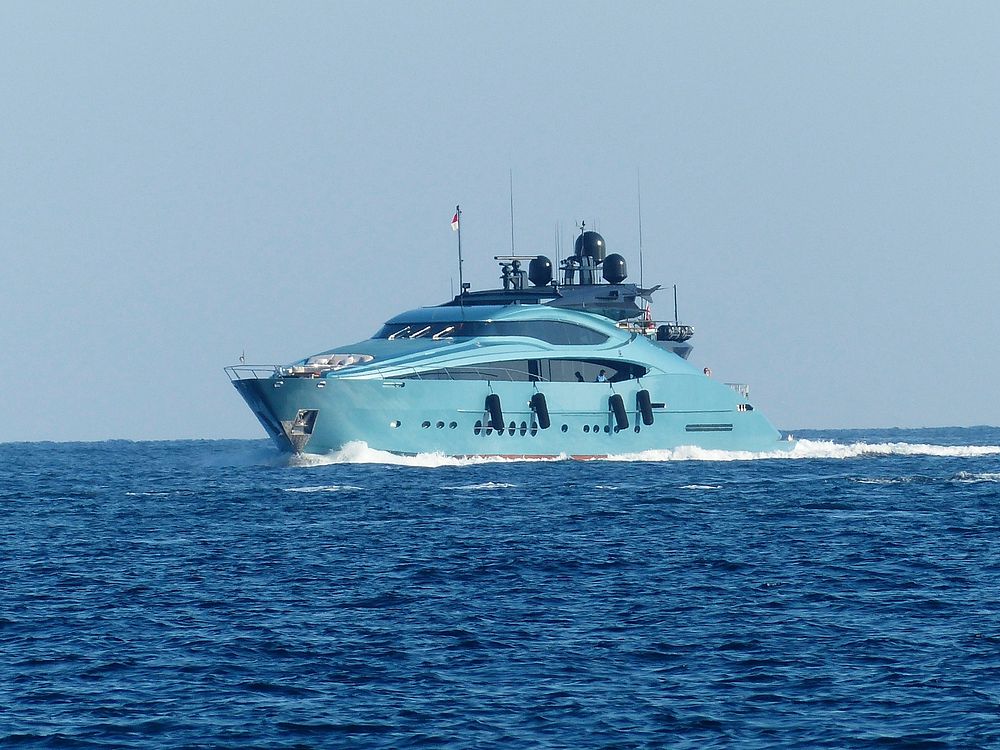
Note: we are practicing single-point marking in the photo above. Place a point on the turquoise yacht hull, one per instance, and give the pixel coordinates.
(517, 385)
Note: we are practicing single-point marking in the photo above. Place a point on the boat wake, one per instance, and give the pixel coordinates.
(814, 449)
(360, 453)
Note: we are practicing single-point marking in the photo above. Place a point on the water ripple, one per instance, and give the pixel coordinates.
(199, 594)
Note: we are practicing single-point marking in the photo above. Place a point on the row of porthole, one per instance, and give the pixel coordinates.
(510, 429)
(480, 429)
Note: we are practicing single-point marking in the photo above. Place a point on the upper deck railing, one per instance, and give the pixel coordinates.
(264, 372)
(252, 372)
(741, 388)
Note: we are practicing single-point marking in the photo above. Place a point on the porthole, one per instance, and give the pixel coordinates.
(425, 425)
(534, 428)
(596, 428)
(440, 425)
(452, 425)
(489, 428)
(565, 428)
(512, 428)
(395, 423)
(586, 428)
(524, 429)
(478, 428)
(607, 428)
(617, 429)
(637, 428)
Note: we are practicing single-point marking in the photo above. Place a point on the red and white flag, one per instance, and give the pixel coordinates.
(454, 222)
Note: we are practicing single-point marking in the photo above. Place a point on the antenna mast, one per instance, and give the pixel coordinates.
(638, 191)
(456, 224)
(512, 212)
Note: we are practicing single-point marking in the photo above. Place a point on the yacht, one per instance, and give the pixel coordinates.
(574, 366)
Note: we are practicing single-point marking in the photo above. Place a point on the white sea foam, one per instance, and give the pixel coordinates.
(701, 487)
(483, 486)
(324, 488)
(882, 480)
(966, 477)
(360, 453)
(814, 449)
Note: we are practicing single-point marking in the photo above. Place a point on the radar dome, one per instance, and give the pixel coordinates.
(591, 244)
(614, 269)
(540, 270)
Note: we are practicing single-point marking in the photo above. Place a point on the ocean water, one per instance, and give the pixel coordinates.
(210, 594)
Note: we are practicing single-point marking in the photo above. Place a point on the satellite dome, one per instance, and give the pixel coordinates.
(591, 244)
(540, 271)
(614, 269)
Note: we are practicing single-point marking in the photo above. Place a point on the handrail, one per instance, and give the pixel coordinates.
(741, 388)
(245, 372)
(263, 372)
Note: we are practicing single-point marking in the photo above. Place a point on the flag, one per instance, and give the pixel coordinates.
(454, 222)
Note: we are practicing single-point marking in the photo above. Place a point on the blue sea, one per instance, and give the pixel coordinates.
(212, 594)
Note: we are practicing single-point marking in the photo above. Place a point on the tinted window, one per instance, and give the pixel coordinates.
(552, 370)
(515, 370)
(551, 331)
(587, 371)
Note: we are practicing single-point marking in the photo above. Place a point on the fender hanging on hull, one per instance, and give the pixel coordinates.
(495, 412)
(541, 409)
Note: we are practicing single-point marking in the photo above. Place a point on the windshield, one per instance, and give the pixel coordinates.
(551, 331)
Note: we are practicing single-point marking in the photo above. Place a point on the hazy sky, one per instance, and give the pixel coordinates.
(183, 181)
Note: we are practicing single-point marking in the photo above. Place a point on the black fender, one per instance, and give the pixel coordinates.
(617, 404)
(645, 404)
(496, 413)
(541, 410)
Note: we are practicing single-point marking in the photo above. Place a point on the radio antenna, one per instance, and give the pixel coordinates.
(511, 172)
(558, 250)
(638, 191)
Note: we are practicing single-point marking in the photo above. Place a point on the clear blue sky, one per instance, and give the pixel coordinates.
(182, 181)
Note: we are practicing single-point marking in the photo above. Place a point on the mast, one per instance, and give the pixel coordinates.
(458, 228)
(638, 191)
(512, 212)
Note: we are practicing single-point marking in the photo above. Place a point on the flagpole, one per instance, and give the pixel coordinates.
(461, 280)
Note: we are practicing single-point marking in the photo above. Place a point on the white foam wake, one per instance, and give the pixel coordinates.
(814, 449)
(360, 453)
